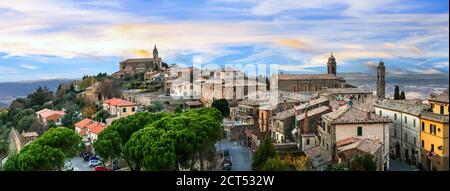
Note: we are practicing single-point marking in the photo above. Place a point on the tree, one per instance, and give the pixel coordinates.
(396, 93)
(362, 162)
(302, 163)
(88, 111)
(265, 151)
(47, 152)
(108, 145)
(178, 109)
(223, 106)
(63, 138)
(101, 115)
(402, 96)
(155, 107)
(71, 117)
(25, 123)
(36, 158)
(275, 164)
(40, 96)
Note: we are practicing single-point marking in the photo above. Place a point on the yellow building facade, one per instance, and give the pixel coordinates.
(434, 134)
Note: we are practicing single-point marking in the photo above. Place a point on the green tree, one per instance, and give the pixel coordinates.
(178, 109)
(265, 151)
(275, 164)
(362, 162)
(71, 117)
(108, 145)
(36, 158)
(155, 107)
(396, 93)
(40, 96)
(25, 123)
(47, 153)
(402, 96)
(222, 105)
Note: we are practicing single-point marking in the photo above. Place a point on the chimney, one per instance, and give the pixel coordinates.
(368, 117)
(305, 121)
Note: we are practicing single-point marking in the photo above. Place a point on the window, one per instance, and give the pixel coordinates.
(133, 109)
(359, 133)
(395, 116)
(432, 129)
(406, 137)
(406, 120)
(432, 147)
(307, 141)
(442, 109)
(395, 133)
(381, 113)
(423, 126)
(423, 144)
(124, 110)
(414, 122)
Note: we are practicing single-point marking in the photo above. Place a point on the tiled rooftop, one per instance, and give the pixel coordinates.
(365, 145)
(345, 115)
(311, 103)
(443, 97)
(434, 117)
(403, 106)
(349, 91)
(308, 77)
(284, 114)
(312, 112)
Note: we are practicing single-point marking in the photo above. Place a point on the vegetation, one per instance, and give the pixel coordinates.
(222, 105)
(162, 141)
(396, 93)
(155, 107)
(47, 153)
(265, 152)
(363, 162)
(5, 127)
(301, 163)
(402, 95)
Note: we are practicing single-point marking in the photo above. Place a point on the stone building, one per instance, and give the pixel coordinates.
(140, 65)
(404, 132)
(281, 126)
(312, 82)
(381, 82)
(349, 122)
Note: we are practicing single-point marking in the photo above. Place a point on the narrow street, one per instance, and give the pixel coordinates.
(241, 157)
(395, 165)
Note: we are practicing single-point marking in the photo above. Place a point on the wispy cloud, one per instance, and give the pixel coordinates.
(27, 66)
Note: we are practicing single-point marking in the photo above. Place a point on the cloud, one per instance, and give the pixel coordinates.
(7, 70)
(27, 66)
(426, 71)
(141, 53)
(294, 43)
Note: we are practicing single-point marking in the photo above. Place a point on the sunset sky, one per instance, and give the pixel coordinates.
(49, 39)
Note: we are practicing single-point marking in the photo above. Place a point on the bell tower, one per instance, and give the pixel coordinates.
(381, 83)
(331, 65)
(156, 60)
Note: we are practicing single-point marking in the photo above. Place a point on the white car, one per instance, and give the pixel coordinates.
(94, 163)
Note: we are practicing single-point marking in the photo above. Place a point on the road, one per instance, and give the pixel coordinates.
(395, 165)
(79, 164)
(240, 156)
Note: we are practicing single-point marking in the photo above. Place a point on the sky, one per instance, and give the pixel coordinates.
(50, 39)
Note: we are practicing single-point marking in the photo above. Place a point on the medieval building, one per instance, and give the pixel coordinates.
(381, 83)
(299, 83)
(140, 65)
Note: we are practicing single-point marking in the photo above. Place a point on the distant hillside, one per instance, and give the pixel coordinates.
(12, 90)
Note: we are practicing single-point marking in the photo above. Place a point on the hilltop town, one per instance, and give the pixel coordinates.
(314, 122)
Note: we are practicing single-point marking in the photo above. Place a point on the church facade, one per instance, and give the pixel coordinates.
(306, 83)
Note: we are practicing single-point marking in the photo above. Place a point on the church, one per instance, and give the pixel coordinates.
(306, 83)
(140, 65)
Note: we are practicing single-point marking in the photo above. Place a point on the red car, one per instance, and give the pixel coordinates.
(100, 168)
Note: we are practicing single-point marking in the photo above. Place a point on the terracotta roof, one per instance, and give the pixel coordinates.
(347, 115)
(98, 128)
(365, 145)
(318, 156)
(313, 112)
(347, 141)
(48, 112)
(119, 102)
(311, 103)
(434, 117)
(403, 106)
(308, 77)
(83, 123)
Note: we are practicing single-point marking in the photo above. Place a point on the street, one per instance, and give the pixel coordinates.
(79, 164)
(240, 156)
(396, 165)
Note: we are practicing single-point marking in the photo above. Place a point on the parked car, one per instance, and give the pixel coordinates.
(94, 163)
(68, 167)
(94, 158)
(227, 166)
(100, 168)
(86, 156)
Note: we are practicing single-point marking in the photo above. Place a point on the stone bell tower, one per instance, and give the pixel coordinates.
(381, 83)
(331, 65)
(156, 61)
